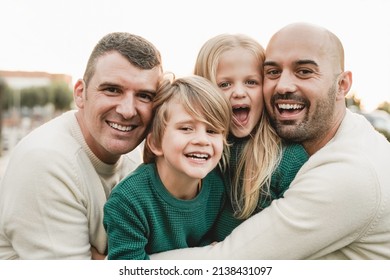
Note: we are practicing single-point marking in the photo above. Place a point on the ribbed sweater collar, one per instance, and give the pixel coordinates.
(100, 166)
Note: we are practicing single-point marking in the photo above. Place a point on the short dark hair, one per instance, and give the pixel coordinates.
(137, 50)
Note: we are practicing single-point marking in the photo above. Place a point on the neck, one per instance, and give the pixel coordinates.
(313, 146)
(177, 184)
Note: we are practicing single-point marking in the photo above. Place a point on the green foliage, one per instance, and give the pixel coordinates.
(34, 96)
(59, 94)
(6, 95)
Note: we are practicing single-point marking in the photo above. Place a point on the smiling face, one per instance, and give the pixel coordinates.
(115, 108)
(189, 150)
(302, 78)
(239, 77)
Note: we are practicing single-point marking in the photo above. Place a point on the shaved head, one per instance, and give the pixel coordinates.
(316, 37)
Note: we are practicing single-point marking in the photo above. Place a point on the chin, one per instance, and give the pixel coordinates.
(240, 132)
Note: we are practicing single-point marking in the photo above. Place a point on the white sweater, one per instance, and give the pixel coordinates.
(53, 192)
(338, 207)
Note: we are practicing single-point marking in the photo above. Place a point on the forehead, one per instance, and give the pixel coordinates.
(238, 59)
(177, 111)
(116, 68)
(238, 56)
(289, 47)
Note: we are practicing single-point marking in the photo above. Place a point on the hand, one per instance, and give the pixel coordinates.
(96, 255)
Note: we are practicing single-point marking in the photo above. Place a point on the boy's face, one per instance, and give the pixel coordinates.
(189, 150)
(115, 108)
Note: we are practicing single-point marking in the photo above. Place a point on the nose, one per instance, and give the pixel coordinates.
(201, 137)
(126, 106)
(285, 83)
(239, 91)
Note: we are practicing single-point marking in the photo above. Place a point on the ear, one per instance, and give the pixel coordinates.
(344, 84)
(155, 149)
(78, 93)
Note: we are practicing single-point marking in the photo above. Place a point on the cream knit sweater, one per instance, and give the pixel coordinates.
(53, 192)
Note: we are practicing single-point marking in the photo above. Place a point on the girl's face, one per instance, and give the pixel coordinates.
(239, 77)
(189, 150)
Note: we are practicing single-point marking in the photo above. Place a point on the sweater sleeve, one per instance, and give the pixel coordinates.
(45, 216)
(330, 204)
(127, 234)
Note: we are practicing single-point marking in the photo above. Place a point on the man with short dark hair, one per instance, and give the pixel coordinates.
(60, 175)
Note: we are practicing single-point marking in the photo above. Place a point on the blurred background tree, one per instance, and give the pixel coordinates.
(59, 94)
(7, 96)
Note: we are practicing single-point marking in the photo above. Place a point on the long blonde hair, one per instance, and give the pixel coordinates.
(262, 152)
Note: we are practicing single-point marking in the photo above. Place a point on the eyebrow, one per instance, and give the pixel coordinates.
(116, 85)
(108, 84)
(306, 61)
(269, 63)
(298, 62)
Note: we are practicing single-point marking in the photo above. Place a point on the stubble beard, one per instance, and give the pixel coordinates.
(313, 126)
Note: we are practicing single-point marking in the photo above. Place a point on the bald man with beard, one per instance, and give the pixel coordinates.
(338, 206)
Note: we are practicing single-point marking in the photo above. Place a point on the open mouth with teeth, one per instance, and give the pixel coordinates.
(198, 156)
(123, 128)
(241, 113)
(289, 107)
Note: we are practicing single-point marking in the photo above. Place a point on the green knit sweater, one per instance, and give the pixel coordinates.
(293, 157)
(141, 217)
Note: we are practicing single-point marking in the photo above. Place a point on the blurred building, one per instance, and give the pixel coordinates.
(25, 79)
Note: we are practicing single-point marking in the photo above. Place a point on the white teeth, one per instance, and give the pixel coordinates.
(199, 156)
(120, 127)
(290, 106)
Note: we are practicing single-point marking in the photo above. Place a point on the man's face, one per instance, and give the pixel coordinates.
(300, 85)
(116, 106)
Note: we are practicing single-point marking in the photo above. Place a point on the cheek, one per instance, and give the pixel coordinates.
(257, 95)
(260, 103)
(267, 98)
(145, 111)
(227, 94)
(257, 102)
(267, 90)
(218, 145)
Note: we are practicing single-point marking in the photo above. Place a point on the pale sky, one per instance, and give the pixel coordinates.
(57, 36)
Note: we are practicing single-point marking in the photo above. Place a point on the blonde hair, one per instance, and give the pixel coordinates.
(262, 152)
(200, 98)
